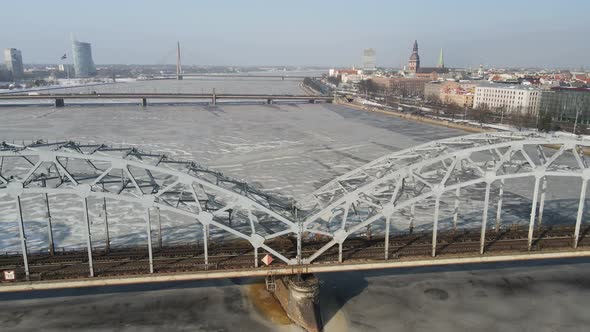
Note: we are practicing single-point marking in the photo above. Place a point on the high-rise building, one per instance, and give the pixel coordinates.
(369, 60)
(414, 63)
(83, 63)
(14, 62)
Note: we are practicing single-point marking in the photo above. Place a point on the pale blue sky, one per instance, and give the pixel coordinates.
(256, 32)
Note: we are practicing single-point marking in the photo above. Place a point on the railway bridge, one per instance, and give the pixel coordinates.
(130, 215)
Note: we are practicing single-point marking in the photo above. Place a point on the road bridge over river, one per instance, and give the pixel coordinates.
(59, 99)
(399, 210)
(245, 76)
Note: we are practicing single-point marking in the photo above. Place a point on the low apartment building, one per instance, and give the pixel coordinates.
(402, 86)
(451, 92)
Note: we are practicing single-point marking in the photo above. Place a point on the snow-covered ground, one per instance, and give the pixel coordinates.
(65, 84)
(473, 123)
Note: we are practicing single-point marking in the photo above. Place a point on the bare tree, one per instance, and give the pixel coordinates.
(481, 113)
(545, 122)
(453, 109)
(522, 118)
(434, 100)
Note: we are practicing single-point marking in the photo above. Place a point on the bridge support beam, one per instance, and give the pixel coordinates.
(159, 228)
(533, 212)
(499, 209)
(206, 244)
(299, 297)
(269, 101)
(435, 225)
(88, 237)
(255, 256)
(580, 212)
(144, 102)
(106, 226)
(148, 224)
(412, 217)
(49, 227)
(456, 208)
(542, 202)
(387, 226)
(484, 218)
(59, 102)
(23, 238)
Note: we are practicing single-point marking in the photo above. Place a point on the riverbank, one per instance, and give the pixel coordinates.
(415, 118)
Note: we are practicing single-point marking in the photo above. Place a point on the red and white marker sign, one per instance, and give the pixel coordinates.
(9, 275)
(267, 259)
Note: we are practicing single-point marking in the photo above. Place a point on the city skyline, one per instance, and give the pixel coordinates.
(306, 33)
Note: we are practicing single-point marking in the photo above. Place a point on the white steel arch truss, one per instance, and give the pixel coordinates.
(403, 181)
(393, 186)
(152, 180)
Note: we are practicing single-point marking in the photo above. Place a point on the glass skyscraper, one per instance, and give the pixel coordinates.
(14, 62)
(369, 60)
(83, 63)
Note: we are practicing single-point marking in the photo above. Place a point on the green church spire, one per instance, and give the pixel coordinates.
(441, 60)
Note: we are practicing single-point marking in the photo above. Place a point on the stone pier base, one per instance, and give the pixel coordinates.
(299, 296)
(59, 102)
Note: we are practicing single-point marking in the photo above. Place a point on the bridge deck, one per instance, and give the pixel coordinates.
(229, 258)
(160, 96)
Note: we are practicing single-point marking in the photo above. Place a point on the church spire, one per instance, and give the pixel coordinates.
(414, 63)
(441, 59)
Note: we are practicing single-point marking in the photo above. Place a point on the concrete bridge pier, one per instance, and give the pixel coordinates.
(59, 102)
(269, 101)
(144, 102)
(299, 297)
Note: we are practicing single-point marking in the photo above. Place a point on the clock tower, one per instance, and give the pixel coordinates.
(414, 62)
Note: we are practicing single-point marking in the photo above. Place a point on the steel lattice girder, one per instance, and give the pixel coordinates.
(151, 180)
(375, 191)
(410, 177)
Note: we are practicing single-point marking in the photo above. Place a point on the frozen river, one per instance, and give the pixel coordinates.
(291, 150)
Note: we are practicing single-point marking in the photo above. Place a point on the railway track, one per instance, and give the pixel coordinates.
(230, 255)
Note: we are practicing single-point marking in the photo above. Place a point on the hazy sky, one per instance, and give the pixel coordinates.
(320, 32)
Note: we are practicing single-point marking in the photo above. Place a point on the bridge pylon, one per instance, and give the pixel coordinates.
(178, 63)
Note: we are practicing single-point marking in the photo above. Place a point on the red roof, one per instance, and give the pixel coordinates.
(348, 71)
(582, 78)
